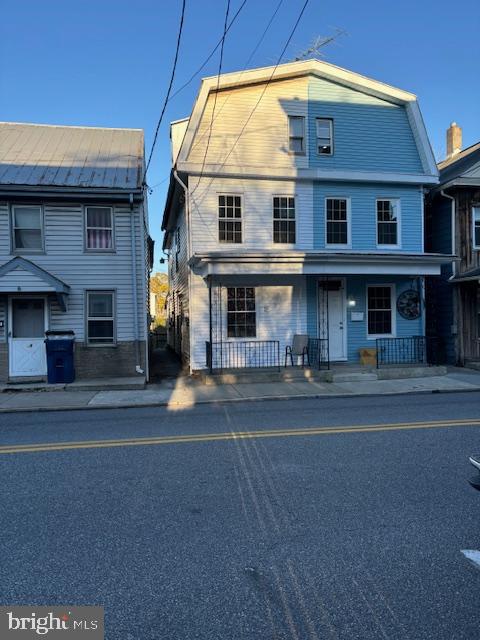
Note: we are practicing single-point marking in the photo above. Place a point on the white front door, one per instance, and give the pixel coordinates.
(334, 308)
(27, 355)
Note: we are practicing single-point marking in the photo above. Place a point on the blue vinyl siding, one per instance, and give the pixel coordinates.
(357, 331)
(364, 215)
(369, 134)
(356, 288)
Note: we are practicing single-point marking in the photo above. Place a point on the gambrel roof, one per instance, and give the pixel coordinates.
(37, 155)
(325, 71)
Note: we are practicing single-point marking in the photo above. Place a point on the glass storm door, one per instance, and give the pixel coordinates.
(27, 356)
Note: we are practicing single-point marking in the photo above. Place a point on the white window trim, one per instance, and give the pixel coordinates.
(241, 219)
(88, 249)
(475, 207)
(13, 249)
(285, 195)
(393, 298)
(224, 302)
(113, 318)
(348, 245)
(304, 137)
(320, 155)
(398, 207)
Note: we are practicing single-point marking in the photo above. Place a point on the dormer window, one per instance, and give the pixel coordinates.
(324, 136)
(296, 135)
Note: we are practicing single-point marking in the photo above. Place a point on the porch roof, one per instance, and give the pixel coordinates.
(294, 263)
(22, 276)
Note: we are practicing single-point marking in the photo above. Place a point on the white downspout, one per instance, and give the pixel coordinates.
(189, 254)
(138, 368)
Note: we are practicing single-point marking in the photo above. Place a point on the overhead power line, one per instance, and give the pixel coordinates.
(212, 53)
(220, 63)
(172, 76)
(250, 57)
(292, 33)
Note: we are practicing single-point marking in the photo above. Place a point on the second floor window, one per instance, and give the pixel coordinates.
(27, 227)
(99, 228)
(476, 227)
(284, 219)
(230, 218)
(337, 231)
(296, 134)
(324, 136)
(387, 222)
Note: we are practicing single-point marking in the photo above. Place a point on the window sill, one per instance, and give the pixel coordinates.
(103, 346)
(30, 252)
(379, 336)
(101, 251)
(338, 246)
(393, 247)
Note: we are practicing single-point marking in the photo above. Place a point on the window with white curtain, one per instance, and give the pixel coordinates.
(99, 228)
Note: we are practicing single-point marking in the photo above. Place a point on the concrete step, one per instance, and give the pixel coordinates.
(354, 377)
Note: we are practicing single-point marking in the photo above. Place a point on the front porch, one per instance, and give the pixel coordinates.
(354, 308)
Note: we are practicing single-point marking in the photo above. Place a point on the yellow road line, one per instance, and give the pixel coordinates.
(232, 435)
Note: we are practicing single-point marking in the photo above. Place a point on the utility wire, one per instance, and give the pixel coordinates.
(257, 46)
(292, 33)
(210, 56)
(220, 63)
(172, 76)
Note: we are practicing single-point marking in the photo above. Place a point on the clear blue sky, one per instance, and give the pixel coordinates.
(107, 62)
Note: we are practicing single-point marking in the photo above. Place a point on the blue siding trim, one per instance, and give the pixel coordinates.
(357, 331)
(356, 288)
(369, 134)
(364, 215)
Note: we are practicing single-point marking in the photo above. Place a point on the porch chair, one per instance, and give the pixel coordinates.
(299, 347)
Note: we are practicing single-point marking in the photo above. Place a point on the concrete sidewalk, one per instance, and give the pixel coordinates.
(183, 392)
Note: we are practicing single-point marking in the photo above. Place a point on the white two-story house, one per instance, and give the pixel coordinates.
(74, 249)
(296, 206)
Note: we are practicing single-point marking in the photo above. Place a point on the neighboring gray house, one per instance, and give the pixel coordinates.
(75, 253)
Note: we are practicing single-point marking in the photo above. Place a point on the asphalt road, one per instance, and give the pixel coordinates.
(348, 534)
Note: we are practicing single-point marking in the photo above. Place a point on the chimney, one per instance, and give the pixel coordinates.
(454, 140)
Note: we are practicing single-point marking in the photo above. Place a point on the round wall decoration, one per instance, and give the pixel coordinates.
(408, 304)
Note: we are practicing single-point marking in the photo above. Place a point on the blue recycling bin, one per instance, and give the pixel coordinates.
(60, 356)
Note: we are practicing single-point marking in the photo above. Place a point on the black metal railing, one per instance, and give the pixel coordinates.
(422, 350)
(243, 354)
(318, 355)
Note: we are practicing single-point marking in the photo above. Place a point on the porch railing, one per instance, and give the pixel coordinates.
(318, 353)
(243, 354)
(423, 350)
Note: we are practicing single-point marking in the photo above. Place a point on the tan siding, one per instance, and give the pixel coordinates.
(265, 139)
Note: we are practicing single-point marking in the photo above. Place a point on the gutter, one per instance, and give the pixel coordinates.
(25, 192)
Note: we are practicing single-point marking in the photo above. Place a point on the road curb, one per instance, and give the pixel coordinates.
(186, 406)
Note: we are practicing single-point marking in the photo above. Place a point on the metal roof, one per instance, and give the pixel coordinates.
(458, 156)
(62, 156)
